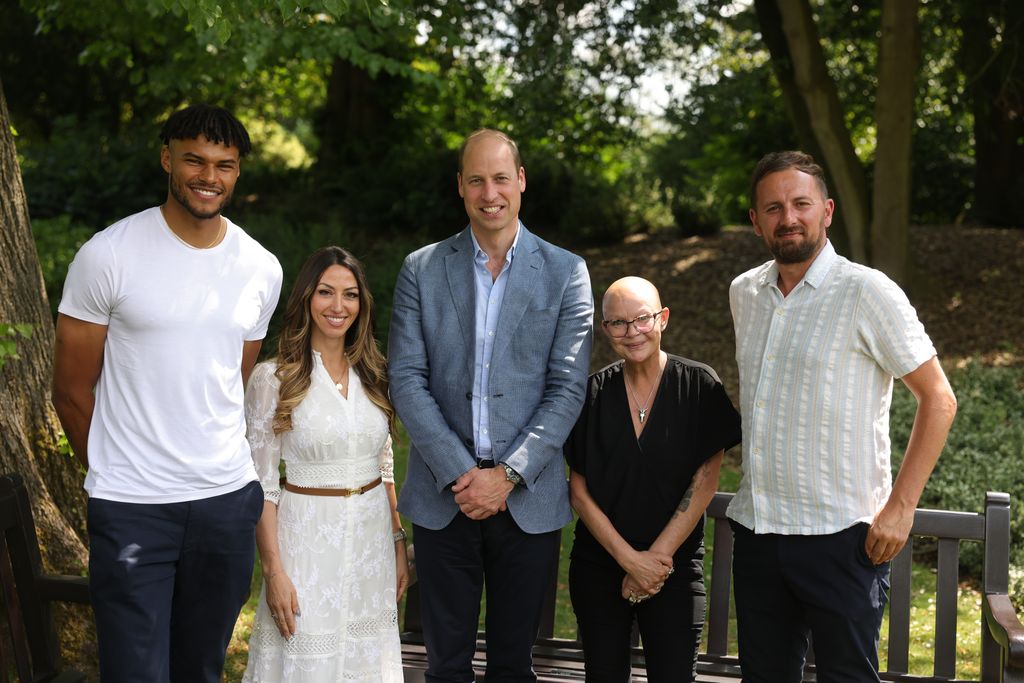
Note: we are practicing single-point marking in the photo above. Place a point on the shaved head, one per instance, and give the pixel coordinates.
(631, 289)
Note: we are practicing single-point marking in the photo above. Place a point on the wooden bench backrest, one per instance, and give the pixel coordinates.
(30, 643)
(992, 528)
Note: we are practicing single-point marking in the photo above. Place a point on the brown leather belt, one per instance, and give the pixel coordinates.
(309, 491)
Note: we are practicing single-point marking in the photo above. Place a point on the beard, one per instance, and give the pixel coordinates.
(801, 251)
(178, 192)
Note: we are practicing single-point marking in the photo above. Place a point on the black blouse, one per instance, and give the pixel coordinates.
(638, 483)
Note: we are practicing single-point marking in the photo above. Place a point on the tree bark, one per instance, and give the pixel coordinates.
(782, 64)
(813, 102)
(29, 429)
(898, 58)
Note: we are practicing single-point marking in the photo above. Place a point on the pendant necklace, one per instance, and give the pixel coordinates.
(340, 386)
(641, 410)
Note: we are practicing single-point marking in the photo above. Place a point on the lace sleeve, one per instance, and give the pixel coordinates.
(260, 404)
(387, 463)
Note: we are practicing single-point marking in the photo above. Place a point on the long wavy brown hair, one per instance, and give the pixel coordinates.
(295, 352)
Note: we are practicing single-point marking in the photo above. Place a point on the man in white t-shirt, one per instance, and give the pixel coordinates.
(817, 517)
(161, 321)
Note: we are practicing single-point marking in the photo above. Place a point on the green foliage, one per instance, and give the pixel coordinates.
(983, 452)
(57, 240)
(89, 175)
(9, 335)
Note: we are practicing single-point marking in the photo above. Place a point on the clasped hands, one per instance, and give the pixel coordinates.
(482, 493)
(646, 574)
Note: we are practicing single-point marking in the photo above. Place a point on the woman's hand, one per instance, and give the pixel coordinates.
(401, 570)
(283, 601)
(648, 570)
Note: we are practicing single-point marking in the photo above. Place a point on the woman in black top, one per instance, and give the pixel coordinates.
(644, 458)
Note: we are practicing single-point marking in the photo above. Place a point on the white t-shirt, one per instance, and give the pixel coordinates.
(168, 424)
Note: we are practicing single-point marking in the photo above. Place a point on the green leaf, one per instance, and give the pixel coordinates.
(24, 329)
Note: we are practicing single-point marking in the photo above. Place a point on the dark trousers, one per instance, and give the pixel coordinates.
(670, 623)
(452, 566)
(789, 587)
(167, 582)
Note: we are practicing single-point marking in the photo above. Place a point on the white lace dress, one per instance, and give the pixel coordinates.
(338, 551)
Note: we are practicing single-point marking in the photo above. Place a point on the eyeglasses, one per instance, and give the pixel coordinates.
(642, 323)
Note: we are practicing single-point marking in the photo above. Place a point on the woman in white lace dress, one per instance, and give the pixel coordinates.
(330, 539)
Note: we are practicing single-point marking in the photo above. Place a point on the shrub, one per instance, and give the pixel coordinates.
(983, 452)
(57, 240)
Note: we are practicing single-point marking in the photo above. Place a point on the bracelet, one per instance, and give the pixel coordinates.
(399, 535)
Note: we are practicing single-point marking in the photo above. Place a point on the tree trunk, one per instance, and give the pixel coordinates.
(355, 119)
(995, 83)
(29, 428)
(814, 104)
(771, 32)
(898, 57)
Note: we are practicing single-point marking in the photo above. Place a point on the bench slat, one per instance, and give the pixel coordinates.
(899, 609)
(968, 526)
(946, 583)
(718, 596)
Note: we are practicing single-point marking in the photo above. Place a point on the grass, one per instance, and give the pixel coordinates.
(922, 614)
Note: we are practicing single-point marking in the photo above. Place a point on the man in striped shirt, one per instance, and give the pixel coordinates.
(817, 517)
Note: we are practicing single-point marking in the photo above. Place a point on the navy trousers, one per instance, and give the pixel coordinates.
(167, 582)
(789, 587)
(452, 566)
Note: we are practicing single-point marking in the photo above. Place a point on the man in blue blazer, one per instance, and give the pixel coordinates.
(489, 353)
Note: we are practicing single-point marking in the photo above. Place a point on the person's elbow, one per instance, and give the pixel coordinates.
(577, 493)
(946, 404)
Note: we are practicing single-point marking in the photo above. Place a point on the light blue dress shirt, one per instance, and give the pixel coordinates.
(489, 295)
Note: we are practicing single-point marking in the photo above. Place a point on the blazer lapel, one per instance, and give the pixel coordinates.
(462, 285)
(523, 277)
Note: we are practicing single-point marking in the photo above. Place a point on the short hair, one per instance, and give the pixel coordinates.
(215, 123)
(783, 161)
(479, 132)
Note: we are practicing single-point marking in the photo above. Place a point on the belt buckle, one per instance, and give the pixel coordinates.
(354, 492)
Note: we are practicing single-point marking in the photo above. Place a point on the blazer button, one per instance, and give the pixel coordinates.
(469, 395)
(469, 442)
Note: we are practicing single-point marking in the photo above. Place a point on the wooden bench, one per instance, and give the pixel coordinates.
(29, 648)
(1002, 635)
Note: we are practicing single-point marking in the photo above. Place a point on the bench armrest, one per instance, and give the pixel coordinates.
(1005, 627)
(63, 588)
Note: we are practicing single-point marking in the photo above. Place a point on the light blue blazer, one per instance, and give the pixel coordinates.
(538, 375)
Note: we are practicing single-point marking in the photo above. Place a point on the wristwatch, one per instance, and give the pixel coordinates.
(511, 475)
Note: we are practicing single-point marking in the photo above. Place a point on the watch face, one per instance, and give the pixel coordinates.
(511, 475)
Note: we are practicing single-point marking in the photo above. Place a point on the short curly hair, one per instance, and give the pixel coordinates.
(215, 123)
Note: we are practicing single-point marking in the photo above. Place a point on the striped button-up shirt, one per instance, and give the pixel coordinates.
(816, 374)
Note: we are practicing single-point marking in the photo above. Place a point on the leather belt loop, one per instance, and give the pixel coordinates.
(344, 493)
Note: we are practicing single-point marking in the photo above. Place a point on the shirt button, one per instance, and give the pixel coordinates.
(760, 404)
(490, 333)
(487, 365)
(779, 311)
(756, 451)
(771, 356)
(485, 399)
(485, 431)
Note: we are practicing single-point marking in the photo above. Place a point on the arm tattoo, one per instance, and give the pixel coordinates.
(698, 481)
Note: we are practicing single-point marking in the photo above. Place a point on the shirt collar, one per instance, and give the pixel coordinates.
(480, 256)
(814, 275)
